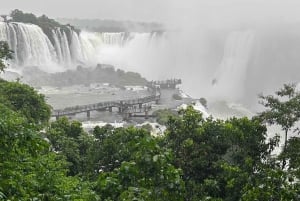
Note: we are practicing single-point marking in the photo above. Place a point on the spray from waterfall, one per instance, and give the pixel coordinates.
(230, 77)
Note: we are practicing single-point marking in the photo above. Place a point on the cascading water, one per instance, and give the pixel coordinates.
(76, 49)
(137, 52)
(29, 43)
(57, 45)
(230, 77)
(94, 46)
(32, 47)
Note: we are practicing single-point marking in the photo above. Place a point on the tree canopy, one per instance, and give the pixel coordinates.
(25, 100)
(195, 159)
(283, 109)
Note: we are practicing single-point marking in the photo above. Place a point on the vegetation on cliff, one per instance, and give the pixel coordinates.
(99, 25)
(45, 23)
(100, 74)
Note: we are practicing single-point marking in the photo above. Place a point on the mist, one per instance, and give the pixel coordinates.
(230, 50)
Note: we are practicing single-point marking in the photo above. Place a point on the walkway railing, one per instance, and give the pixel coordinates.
(121, 104)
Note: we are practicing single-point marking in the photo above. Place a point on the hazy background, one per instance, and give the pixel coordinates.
(212, 12)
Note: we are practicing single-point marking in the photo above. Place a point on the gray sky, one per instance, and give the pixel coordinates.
(170, 11)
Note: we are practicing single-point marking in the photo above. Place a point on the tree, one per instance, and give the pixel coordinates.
(70, 141)
(216, 156)
(143, 172)
(198, 146)
(163, 115)
(25, 100)
(28, 170)
(5, 54)
(283, 109)
(292, 154)
(270, 183)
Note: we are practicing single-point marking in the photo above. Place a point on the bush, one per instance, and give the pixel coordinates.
(177, 97)
(162, 116)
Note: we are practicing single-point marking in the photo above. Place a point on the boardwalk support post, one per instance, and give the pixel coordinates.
(88, 114)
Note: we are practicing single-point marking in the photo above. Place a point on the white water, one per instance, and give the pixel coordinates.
(230, 77)
(31, 46)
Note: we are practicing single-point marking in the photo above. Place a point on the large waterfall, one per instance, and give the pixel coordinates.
(230, 78)
(32, 47)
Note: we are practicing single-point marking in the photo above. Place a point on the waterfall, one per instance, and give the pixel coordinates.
(113, 38)
(76, 50)
(229, 80)
(29, 43)
(57, 45)
(66, 48)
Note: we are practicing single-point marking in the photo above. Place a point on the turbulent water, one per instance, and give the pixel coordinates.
(230, 64)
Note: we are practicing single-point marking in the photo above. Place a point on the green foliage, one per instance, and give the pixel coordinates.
(100, 74)
(5, 54)
(283, 110)
(216, 157)
(118, 146)
(196, 159)
(145, 172)
(248, 142)
(103, 132)
(163, 115)
(197, 144)
(292, 155)
(71, 142)
(28, 170)
(25, 100)
(270, 184)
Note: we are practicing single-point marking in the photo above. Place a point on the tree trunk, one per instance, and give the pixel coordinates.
(284, 149)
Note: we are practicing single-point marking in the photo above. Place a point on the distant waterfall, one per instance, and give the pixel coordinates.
(93, 43)
(230, 77)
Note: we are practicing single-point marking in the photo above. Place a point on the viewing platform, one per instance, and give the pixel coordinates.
(165, 84)
(130, 107)
(124, 107)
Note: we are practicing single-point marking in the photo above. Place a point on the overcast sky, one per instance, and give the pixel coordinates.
(169, 11)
